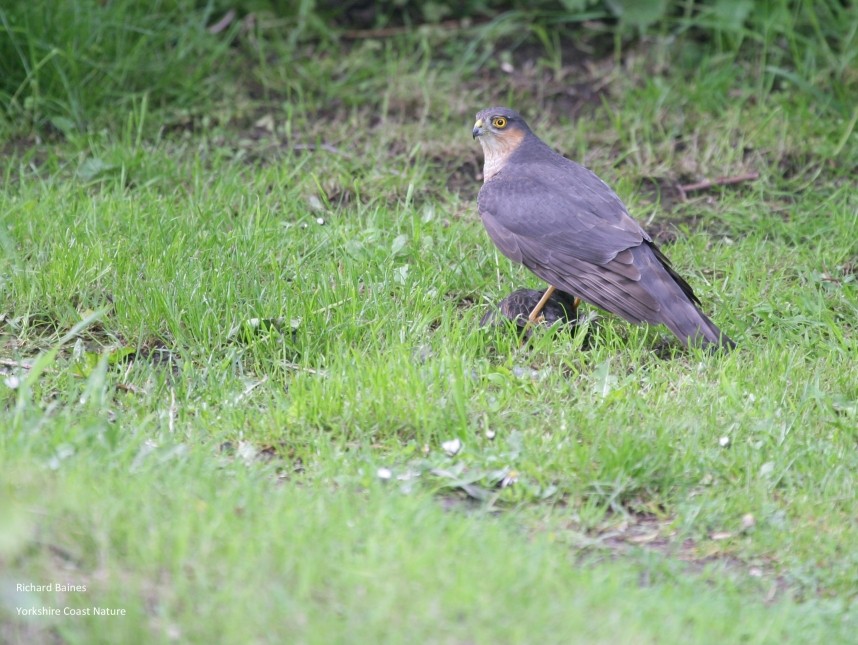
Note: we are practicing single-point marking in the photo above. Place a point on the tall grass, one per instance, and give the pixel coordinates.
(75, 66)
(67, 64)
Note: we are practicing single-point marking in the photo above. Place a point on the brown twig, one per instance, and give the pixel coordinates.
(706, 184)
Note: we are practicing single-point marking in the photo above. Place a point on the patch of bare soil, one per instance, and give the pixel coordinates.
(568, 90)
(30, 150)
(651, 533)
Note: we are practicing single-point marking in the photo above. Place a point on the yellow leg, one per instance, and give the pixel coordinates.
(533, 318)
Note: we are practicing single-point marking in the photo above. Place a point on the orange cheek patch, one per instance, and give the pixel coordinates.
(505, 143)
(497, 149)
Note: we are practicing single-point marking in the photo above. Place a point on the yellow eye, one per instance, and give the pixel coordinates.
(499, 122)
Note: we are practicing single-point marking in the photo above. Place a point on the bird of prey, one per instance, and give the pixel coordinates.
(566, 225)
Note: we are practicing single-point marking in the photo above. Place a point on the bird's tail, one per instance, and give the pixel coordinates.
(694, 328)
(683, 317)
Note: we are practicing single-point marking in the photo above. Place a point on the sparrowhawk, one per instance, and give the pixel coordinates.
(566, 225)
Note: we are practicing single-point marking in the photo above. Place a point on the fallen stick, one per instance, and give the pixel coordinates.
(706, 184)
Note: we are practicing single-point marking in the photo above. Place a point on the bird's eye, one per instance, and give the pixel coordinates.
(499, 122)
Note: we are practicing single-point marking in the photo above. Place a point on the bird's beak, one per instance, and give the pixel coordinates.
(478, 128)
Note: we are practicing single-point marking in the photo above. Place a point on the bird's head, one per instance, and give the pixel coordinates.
(499, 123)
(500, 131)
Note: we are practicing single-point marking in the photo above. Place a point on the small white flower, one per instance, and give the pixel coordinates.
(452, 447)
(509, 479)
(384, 473)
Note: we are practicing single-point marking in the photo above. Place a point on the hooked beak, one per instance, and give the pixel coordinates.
(478, 128)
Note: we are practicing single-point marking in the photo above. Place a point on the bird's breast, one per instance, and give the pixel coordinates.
(497, 151)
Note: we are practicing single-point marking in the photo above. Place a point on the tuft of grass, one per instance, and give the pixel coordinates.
(65, 66)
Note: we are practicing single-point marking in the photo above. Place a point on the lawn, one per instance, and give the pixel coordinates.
(244, 393)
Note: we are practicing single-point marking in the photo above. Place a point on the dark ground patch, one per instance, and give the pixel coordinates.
(643, 532)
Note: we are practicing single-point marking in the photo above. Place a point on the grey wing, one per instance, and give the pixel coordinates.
(560, 211)
(586, 244)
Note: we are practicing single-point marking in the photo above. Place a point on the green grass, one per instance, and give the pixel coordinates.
(227, 481)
